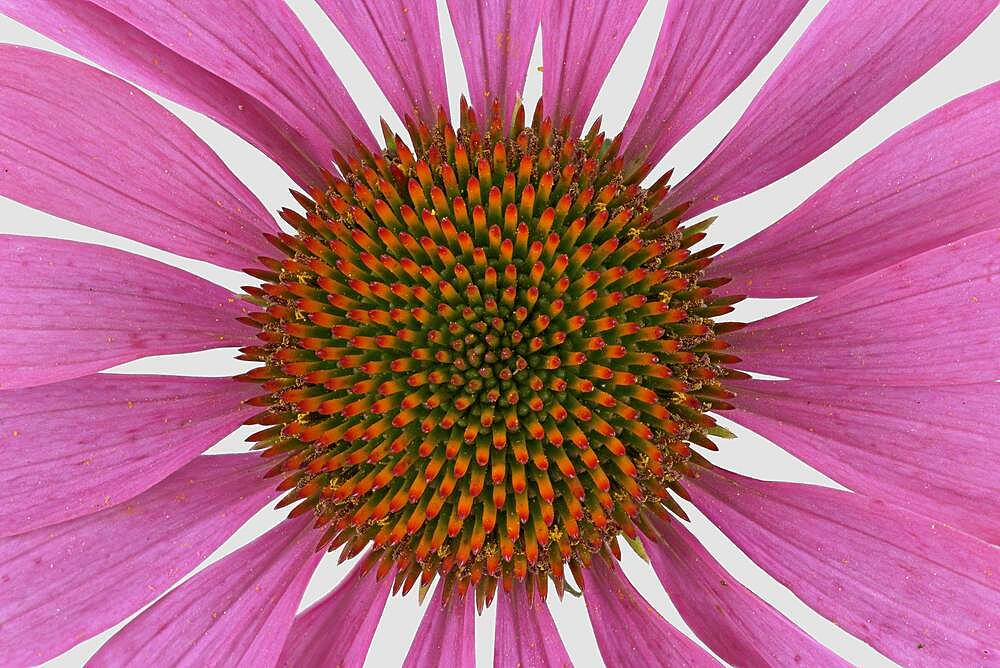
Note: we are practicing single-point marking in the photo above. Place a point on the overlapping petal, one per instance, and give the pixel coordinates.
(64, 583)
(736, 624)
(447, 633)
(629, 631)
(932, 319)
(580, 41)
(262, 48)
(337, 630)
(76, 447)
(932, 450)
(525, 633)
(103, 154)
(495, 40)
(70, 309)
(917, 590)
(855, 57)
(238, 611)
(706, 49)
(400, 43)
(122, 48)
(935, 181)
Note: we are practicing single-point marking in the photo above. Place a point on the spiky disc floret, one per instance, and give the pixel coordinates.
(486, 356)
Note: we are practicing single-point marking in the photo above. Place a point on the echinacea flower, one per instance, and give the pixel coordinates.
(488, 354)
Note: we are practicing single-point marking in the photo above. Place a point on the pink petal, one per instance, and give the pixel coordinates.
(918, 591)
(64, 583)
(120, 47)
(495, 39)
(893, 203)
(238, 611)
(525, 633)
(103, 154)
(704, 51)
(261, 48)
(629, 631)
(71, 309)
(447, 634)
(338, 629)
(931, 450)
(853, 59)
(931, 319)
(580, 41)
(736, 624)
(76, 447)
(400, 44)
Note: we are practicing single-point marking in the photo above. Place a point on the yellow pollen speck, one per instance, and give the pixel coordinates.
(131, 404)
(15, 433)
(503, 41)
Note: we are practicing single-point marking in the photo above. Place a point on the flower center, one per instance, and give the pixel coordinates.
(485, 357)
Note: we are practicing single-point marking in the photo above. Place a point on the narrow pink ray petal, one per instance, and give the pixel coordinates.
(705, 50)
(64, 583)
(238, 611)
(933, 182)
(918, 591)
(525, 633)
(580, 41)
(263, 49)
(76, 447)
(495, 40)
(447, 634)
(931, 450)
(70, 309)
(337, 630)
(855, 57)
(400, 43)
(929, 320)
(103, 154)
(629, 631)
(736, 624)
(125, 50)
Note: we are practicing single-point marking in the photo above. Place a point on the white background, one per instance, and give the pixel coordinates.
(974, 64)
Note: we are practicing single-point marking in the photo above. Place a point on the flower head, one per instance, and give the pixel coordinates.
(490, 357)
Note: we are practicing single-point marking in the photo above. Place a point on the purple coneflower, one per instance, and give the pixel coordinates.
(488, 348)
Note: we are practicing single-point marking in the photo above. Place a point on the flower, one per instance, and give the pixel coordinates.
(487, 352)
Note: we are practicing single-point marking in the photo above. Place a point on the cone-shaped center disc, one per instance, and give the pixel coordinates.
(484, 356)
